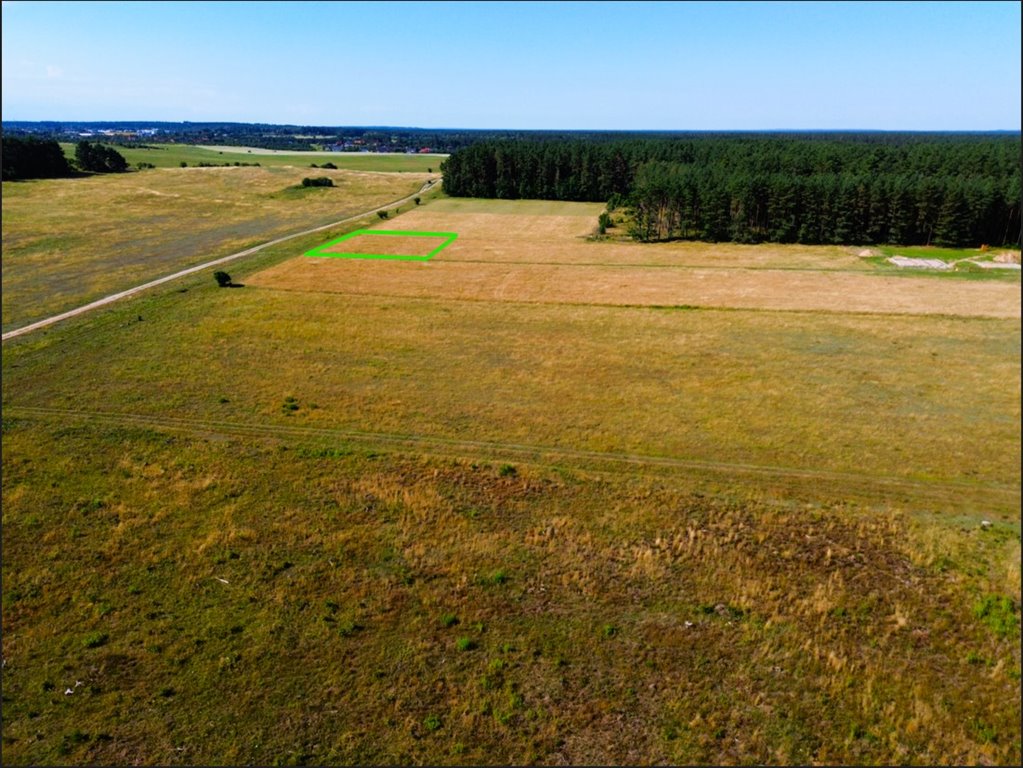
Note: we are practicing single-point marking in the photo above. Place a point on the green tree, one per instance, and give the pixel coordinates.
(33, 159)
(95, 158)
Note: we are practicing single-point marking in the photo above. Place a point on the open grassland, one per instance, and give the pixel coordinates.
(909, 398)
(172, 155)
(211, 600)
(536, 257)
(71, 241)
(327, 526)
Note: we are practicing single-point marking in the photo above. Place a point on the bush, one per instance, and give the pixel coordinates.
(497, 578)
(382, 214)
(223, 279)
(999, 613)
(415, 200)
(95, 640)
(329, 165)
(320, 181)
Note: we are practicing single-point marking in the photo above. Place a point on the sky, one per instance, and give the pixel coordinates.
(949, 66)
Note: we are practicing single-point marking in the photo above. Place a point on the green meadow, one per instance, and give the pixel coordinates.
(172, 155)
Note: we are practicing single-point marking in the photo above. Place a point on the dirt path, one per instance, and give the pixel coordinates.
(433, 184)
(496, 450)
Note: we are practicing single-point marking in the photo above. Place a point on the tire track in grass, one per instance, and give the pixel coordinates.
(432, 184)
(443, 446)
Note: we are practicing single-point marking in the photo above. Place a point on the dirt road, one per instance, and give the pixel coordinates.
(433, 184)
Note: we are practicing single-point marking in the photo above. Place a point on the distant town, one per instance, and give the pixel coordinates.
(389, 139)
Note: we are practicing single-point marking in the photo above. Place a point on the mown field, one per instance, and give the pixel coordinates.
(71, 241)
(344, 522)
(172, 155)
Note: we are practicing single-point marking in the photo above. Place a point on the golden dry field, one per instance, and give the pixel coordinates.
(69, 242)
(547, 258)
(386, 244)
(542, 499)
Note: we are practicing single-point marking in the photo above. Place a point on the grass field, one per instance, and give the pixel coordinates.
(549, 258)
(70, 241)
(172, 155)
(344, 521)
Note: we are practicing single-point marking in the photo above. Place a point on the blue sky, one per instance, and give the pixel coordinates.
(576, 65)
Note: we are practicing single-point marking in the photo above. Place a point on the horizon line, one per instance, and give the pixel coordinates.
(493, 128)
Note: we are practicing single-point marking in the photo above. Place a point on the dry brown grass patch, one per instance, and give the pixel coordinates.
(532, 257)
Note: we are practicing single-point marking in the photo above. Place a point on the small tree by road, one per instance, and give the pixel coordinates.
(223, 279)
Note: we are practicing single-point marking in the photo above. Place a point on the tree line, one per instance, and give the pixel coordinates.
(910, 189)
(33, 158)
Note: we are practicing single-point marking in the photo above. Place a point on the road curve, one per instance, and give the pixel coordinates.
(432, 184)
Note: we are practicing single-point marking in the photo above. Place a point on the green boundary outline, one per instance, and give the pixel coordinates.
(319, 251)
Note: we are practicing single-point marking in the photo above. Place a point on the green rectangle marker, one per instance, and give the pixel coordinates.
(327, 249)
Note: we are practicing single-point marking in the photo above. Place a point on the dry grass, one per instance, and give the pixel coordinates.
(70, 241)
(313, 603)
(928, 400)
(321, 527)
(534, 257)
(645, 286)
(387, 244)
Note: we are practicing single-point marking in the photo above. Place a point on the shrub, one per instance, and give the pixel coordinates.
(320, 181)
(382, 214)
(999, 613)
(465, 644)
(95, 639)
(329, 165)
(223, 279)
(498, 577)
(507, 470)
(415, 200)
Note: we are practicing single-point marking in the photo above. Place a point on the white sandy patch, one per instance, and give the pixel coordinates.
(905, 261)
